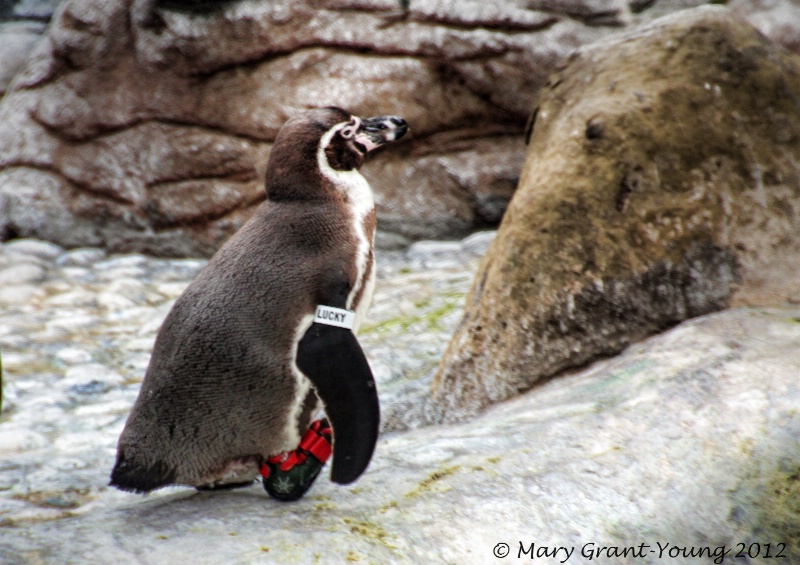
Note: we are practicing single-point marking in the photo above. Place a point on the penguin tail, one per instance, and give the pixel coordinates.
(132, 477)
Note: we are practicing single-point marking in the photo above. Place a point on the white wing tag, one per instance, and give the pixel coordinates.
(338, 317)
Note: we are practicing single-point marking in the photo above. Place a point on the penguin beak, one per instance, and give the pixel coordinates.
(378, 131)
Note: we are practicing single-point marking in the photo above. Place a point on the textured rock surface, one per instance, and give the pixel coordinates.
(139, 128)
(17, 40)
(661, 183)
(777, 19)
(40, 10)
(690, 439)
(22, 23)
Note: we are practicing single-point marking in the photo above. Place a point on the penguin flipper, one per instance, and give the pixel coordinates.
(333, 361)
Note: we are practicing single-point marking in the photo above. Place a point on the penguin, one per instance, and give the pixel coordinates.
(264, 337)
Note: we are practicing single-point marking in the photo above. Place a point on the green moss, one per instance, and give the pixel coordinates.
(70, 498)
(423, 320)
(423, 303)
(601, 385)
(779, 507)
(43, 365)
(372, 532)
(429, 483)
(490, 462)
(323, 506)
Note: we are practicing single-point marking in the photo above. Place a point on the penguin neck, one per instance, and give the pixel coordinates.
(291, 175)
(349, 184)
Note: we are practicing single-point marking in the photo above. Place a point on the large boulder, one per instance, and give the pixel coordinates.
(146, 124)
(661, 183)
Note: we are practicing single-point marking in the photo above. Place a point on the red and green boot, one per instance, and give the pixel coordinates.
(288, 476)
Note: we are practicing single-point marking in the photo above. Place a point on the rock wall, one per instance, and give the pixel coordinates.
(141, 125)
(22, 23)
(661, 183)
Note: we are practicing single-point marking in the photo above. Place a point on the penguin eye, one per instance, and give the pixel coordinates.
(349, 131)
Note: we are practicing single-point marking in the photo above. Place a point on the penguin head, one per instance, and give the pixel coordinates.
(343, 139)
(347, 143)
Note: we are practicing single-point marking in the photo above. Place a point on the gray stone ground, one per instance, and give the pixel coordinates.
(690, 438)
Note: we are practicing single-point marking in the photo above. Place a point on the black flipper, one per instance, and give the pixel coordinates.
(332, 359)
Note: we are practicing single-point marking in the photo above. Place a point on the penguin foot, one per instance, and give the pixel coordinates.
(288, 476)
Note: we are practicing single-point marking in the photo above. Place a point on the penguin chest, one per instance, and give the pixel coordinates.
(360, 210)
(365, 299)
(363, 229)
